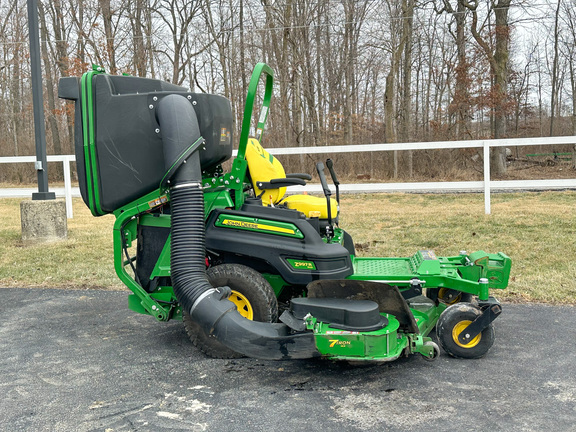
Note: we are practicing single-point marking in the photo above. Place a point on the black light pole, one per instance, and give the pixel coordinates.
(38, 105)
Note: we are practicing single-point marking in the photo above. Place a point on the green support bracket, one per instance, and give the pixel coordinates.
(123, 234)
(422, 345)
(238, 172)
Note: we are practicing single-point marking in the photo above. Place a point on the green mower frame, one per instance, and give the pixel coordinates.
(356, 308)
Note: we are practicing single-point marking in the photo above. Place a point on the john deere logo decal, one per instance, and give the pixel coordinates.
(240, 224)
(252, 224)
(302, 265)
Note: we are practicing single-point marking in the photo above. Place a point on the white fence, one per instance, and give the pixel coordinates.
(64, 159)
(487, 186)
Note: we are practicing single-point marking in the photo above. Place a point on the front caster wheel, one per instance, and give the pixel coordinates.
(454, 320)
(435, 351)
(251, 293)
(449, 296)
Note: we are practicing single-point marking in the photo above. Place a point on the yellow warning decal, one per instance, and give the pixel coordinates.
(224, 135)
(428, 255)
(158, 201)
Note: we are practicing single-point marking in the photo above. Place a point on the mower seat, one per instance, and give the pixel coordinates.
(270, 182)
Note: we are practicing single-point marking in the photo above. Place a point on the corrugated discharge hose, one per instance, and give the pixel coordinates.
(209, 306)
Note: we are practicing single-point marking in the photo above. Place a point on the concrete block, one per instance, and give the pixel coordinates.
(43, 220)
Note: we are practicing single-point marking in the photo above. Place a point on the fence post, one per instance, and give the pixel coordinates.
(67, 187)
(486, 145)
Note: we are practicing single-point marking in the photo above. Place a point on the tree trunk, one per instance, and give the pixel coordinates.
(554, 95)
(501, 54)
(137, 22)
(348, 58)
(461, 99)
(390, 94)
(16, 92)
(109, 34)
(59, 26)
(49, 82)
(573, 84)
(498, 60)
(406, 107)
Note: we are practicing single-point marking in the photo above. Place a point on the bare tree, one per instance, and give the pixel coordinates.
(570, 52)
(555, 71)
(520, 87)
(15, 63)
(49, 82)
(460, 105)
(391, 87)
(497, 55)
(137, 14)
(108, 13)
(178, 16)
(406, 103)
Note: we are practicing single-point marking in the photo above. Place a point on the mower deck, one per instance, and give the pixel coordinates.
(384, 344)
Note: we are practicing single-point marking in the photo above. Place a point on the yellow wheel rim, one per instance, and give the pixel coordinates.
(459, 328)
(442, 292)
(243, 305)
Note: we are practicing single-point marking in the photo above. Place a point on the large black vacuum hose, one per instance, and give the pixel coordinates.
(206, 305)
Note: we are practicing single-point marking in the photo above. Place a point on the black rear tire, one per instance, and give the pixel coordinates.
(253, 296)
(454, 320)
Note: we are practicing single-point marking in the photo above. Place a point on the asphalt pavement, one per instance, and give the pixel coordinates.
(81, 361)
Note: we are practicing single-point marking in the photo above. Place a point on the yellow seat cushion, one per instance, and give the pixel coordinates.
(311, 206)
(264, 167)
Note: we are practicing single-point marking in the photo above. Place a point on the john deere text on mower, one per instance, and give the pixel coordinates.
(222, 250)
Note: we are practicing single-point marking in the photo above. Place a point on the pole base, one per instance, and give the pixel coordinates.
(43, 221)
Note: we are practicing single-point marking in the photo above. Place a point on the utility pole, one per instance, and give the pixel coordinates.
(43, 217)
(38, 105)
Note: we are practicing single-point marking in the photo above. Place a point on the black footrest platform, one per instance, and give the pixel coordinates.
(353, 315)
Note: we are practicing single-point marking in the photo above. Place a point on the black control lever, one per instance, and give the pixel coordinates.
(330, 166)
(327, 194)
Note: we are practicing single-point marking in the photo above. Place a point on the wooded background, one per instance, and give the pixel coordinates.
(346, 71)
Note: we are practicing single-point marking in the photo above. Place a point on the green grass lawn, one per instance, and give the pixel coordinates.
(537, 230)
(84, 260)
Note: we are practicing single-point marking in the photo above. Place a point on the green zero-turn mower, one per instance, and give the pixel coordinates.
(225, 250)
